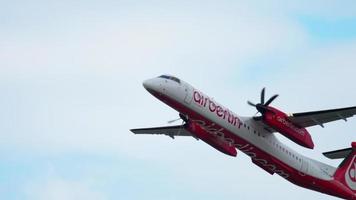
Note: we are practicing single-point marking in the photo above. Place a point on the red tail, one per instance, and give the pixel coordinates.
(346, 173)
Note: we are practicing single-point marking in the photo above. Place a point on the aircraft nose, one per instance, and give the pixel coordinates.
(145, 84)
(151, 85)
(148, 84)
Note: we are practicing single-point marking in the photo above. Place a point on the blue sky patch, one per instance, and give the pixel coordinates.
(325, 30)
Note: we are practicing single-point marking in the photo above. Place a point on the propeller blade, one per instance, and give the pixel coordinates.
(263, 96)
(251, 104)
(172, 121)
(271, 100)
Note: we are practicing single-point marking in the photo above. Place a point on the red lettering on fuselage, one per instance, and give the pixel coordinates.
(286, 123)
(248, 149)
(213, 107)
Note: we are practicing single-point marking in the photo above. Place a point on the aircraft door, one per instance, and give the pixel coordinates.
(304, 168)
(189, 94)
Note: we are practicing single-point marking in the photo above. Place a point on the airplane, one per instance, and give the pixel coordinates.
(207, 120)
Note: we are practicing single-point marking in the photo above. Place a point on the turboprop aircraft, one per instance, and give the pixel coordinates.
(205, 119)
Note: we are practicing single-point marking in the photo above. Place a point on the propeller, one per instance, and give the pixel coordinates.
(262, 107)
(174, 120)
(184, 119)
(181, 117)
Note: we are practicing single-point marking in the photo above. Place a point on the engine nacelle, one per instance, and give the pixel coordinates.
(278, 120)
(213, 140)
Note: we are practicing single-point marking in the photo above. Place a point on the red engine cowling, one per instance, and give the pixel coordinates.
(278, 120)
(211, 139)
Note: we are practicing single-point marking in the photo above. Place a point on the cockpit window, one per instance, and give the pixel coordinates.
(170, 78)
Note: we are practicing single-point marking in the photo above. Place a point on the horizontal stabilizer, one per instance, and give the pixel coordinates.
(338, 154)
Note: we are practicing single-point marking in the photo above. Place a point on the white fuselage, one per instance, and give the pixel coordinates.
(226, 131)
(245, 128)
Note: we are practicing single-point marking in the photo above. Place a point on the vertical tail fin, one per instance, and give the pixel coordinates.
(346, 172)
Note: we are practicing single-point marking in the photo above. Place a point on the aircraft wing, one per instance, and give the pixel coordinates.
(170, 131)
(308, 119)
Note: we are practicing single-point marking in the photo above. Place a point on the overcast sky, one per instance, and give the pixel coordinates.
(71, 77)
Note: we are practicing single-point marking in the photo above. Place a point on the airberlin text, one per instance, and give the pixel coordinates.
(244, 147)
(213, 107)
(290, 125)
(249, 150)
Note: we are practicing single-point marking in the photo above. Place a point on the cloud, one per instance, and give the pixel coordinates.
(72, 84)
(74, 81)
(54, 187)
(59, 189)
